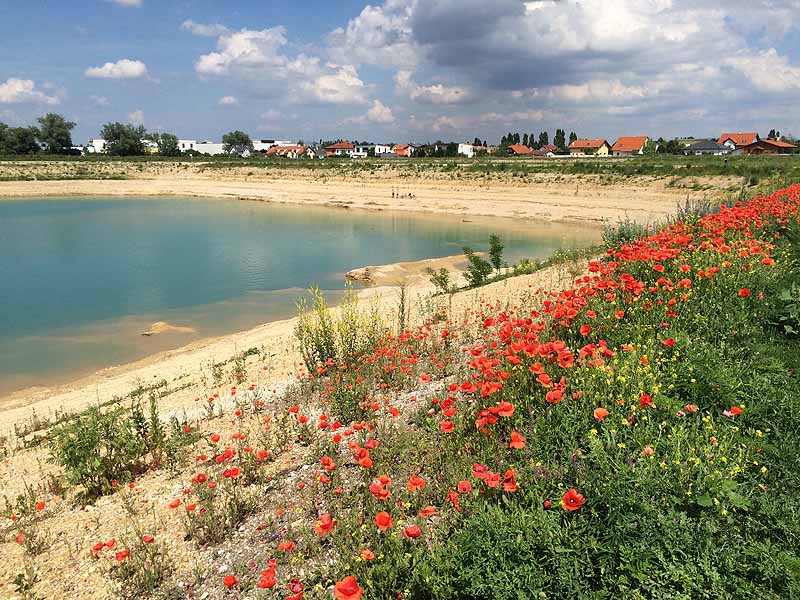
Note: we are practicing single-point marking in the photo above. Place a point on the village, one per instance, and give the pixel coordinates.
(733, 143)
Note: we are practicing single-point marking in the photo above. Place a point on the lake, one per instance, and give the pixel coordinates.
(81, 279)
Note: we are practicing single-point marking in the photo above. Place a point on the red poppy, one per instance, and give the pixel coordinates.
(669, 343)
(175, 503)
(572, 500)
(230, 581)
(600, 414)
(214, 438)
(40, 506)
(384, 521)
(744, 292)
(122, 555)
(148, 539)
(347, 589)
(415, 483)
(510, 481)
(286, 546)
(645, 400)
(446, 426)
(367, 554)
(428, 511)
(505, 409)
(464, 487)
(517, 441)
(412, 532)
(586, 329)
(324, 524)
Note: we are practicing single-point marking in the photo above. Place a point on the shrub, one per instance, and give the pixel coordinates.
(478, 269)
(624, 232)
(440, 280)
(495, 251)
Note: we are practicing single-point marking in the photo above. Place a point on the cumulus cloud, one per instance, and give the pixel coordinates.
(228, 101)
(204, 30)
(429, 94)
(23, 91)
(128, 2)
(122, 69)
(258, 58)
(768, 70)
(380, 113)
(136, 117)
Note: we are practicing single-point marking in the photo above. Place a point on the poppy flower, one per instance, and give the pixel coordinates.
(97, 547)
(267, 579)
(505, 409)
(669, 343)
(464, 487)
(122, 555)
(367, 554)
(347, 589)
(20, 538)
(586, 329)
(412, 532)
(415, 483)
(510, 481)
(175, 503)
(286, 546)
(744, 292)
(230, 581)
(384, 521)
(214, 438)
(324, 524)
(600, 414)
(645, 400)
(40, 506)
(572, 500)
(148, 539)
(517, 441)
(446, 426)
(428, 511)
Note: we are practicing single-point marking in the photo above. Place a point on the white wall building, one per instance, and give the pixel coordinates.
(467, 150)
(185, 145)
(212, 148)
(95, 146)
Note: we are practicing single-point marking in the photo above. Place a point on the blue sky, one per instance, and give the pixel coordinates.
(404, 70)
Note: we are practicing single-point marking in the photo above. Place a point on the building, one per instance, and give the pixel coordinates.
(265, 145)
(340, 149)
(186, 145)
(590, 148)
(296, 151)
(629, 145)
(701, 147)
(95, 146)
(767, 147)
(211, 148)
(735, 140)
(404, 150)
(519, 150)
(150, 147)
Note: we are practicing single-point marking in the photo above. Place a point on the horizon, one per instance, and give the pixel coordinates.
(404, 70)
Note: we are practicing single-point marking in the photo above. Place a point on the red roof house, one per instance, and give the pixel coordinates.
(519, 149)
(734, 140)
(629, 145)
(595, 147)
(340, 149)
(767, 147)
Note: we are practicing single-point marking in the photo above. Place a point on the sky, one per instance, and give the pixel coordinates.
(404, 70)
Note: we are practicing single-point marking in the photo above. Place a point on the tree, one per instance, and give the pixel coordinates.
(55, 133)
(771, 135)
(560, 139)
(495, 251)
(18, 140)
(572, 136)
(168, 144)
(237, 142)
(651, 147)
(543, 139)
(477, 142)
(123, 139)
(525, 140)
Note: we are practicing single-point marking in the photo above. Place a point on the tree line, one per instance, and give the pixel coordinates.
(536, 142)
(53, 135)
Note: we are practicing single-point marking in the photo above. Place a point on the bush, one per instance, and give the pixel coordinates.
(478, 270)
(624, 232)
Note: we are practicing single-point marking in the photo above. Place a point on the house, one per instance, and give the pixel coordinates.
(629, 145)
(340, 149)
(734, 140)
(405, 150)
(590, 148)
(95, 146)
(150, 147)
(701, 147)
(291, 152)
(264, 146)
(767, 147)
(519, 150)
(211, 148)
(185, 145)
(467, 150)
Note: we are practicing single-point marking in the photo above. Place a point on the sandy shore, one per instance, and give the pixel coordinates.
(542, 197)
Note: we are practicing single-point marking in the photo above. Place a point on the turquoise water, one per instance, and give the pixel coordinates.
(80, 279)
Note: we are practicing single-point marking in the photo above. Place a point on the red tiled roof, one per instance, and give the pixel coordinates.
(549, 148)
(740, 139)
(520, 149)
(633, 143)
(779, 143)
(587, 144)
(340, 146)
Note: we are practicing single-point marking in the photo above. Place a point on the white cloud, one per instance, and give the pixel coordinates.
(136, 117)
(122, 69)
(228, 101)
(429, 94)
(768, 70)
(444, 123)
(205, 30)
(100, 101)
(380, 113)
(343, 86)
(128, 2)
(245, 50)
(379, 35)
(23, 91)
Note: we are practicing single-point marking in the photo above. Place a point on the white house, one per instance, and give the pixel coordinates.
(95, 146)
(736, 140)
(361, 151)
(340, 149)
(467, 150)
(185, 145)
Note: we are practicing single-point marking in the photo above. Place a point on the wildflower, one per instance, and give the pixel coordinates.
(691, 408)
(505, 409)
(517, 441)
(347, 589)
(286, 546)
(554, 396)
(669, 343)
(40, 506)
(97, 547)
(586, 330)
(175, 503)
(412, 532)
(148, 539)
(509, 481)
(600, 414)
(415, 483)
(428, 511)
(647, 451)
(122, 555)
(296, 587)
(547, 504)
(464, 487)
(20, 538)
(367, 554)
(446, 426)
(214, 438)
(572, 500)
(744, 293)
(645, 400)
(230, 581)
(384, 521)
(324, 524)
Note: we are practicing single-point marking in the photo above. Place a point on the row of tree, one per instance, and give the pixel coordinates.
(53, 135)
(543, 139)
